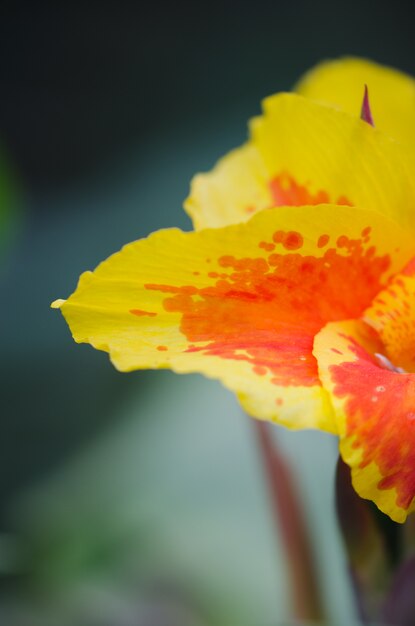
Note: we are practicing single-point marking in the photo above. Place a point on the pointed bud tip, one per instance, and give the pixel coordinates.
(365, 112)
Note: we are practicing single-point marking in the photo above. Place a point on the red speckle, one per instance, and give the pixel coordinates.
(266, 310)
(260, 370)
(323, 241)
(162, 348)
(336, 351)
(141, 313)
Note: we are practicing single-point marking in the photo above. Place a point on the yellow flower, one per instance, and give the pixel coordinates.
(299, 309)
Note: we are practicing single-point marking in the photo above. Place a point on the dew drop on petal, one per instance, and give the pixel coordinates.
(384, 362)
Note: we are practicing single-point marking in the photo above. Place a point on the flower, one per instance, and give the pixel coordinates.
(305, 310)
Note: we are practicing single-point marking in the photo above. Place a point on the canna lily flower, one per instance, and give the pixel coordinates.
(305, 310)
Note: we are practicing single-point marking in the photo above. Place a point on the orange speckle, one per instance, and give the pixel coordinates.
(141, 313)
(342, 200)
(196, 273)
(162, 348)
(260, 370)
(342, 241)
(274, 259)
(291, 240)
(250, 209)
(323, 241)
(189, 290)
(394, 310)
(279, 401)
(366, 231)
(226, 260)
(286, 191)
(409, 268)
(278, 236)
(266, 246)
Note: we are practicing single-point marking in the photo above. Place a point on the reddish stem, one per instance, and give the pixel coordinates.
(290, 526)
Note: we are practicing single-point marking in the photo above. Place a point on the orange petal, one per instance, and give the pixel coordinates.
(375, 412)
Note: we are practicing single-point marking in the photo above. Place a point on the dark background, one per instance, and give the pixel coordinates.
(82, 83)
(106, 111)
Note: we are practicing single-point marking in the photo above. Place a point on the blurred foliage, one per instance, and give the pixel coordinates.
(10, 206)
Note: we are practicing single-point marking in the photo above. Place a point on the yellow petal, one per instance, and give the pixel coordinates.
(241, 303)
(236, 188)
(304, 153)
(375, 412)
(391, 93)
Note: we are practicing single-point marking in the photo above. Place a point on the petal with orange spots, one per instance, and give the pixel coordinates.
(392, 314)
(241, 303)
(304, 153)
(374, 406)
(392, 93)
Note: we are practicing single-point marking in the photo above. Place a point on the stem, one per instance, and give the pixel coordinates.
(372, 543)
(289, 523)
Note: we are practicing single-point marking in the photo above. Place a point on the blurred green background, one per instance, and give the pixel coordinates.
(138, 500)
